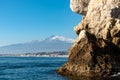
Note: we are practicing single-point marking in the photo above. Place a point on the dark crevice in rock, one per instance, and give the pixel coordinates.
(115, 13)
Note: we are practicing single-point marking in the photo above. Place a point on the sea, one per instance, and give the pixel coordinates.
(36, 68)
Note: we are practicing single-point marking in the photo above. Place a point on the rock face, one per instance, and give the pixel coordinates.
(96, 51)
(79, 6)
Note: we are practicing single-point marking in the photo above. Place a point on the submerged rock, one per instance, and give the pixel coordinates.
(96, 51)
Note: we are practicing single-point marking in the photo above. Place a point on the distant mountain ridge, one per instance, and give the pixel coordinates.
(53, 43)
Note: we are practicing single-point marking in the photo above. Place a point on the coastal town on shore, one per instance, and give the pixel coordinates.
(40, 54)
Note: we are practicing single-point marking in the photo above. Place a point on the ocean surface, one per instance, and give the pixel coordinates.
(34, 68)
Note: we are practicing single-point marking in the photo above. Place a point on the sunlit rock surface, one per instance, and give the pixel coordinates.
(96, 51)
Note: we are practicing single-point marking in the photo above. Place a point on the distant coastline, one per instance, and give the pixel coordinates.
(40, 54)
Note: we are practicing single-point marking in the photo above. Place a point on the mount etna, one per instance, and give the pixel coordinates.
(50, 44)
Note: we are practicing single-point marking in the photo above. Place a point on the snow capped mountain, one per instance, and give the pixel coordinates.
(53, 43)
(61, 38)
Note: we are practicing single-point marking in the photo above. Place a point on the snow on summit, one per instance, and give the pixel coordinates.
(61, 38)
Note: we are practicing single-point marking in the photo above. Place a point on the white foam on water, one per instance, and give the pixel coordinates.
(114, 75)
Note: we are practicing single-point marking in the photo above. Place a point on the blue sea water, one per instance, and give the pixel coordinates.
(30, 68)
(36, 68)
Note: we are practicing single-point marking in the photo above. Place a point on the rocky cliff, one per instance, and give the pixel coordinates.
(96, 51)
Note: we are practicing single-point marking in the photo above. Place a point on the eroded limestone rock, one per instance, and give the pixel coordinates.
(96, 51)
(79, 6)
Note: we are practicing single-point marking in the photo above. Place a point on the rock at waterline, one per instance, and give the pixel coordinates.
(96, 51)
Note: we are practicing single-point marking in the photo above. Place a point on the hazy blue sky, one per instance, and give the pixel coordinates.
(27, 20)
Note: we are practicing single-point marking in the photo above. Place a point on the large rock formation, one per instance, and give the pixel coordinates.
(96, 51)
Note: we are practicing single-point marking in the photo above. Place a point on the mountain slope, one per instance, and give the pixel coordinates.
(53, 43)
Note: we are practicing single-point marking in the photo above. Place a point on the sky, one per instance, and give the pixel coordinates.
(27, 20)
